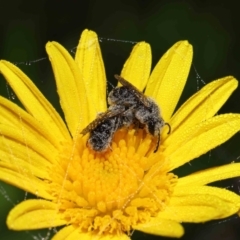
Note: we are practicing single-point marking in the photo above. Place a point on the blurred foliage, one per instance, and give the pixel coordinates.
(211, 28)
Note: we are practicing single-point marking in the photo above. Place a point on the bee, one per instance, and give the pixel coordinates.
(103, 128)
(144, 109)
(127, 95)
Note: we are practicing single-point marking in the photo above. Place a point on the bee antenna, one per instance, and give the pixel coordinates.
(111, 85)
(169, 131)
(158, 142)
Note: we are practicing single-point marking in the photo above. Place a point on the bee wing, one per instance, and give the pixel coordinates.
(100, 118)
(142, 98)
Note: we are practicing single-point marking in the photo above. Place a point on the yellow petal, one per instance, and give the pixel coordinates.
(24, 156)
(72, 233)
(202, 105)
(197, 208)
(224, 194)
(33, 100)
(201, 138)
(89, 61)
(138, 66)
(64, 233)
(210, 175)
(28, 143)
(161, 227)
(25, 166)
(25, 181)
(169, 77)
(15, 149)
(34, 214)
(71, 89)
(13, 115)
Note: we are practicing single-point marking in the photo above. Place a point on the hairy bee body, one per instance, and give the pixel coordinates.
(144, 109)
(103, 128)
(128, 106)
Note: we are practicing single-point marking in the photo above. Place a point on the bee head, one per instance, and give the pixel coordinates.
(154, 124)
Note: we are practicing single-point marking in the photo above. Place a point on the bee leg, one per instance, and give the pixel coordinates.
(169, 127)
(158, 142)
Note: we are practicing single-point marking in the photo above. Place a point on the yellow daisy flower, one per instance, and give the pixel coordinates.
(107, 195)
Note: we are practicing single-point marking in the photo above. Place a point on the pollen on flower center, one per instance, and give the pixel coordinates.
(113, 190)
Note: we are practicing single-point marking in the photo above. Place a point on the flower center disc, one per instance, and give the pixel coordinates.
(111, 191)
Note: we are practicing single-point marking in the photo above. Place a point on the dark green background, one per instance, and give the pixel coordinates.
(212, 27)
